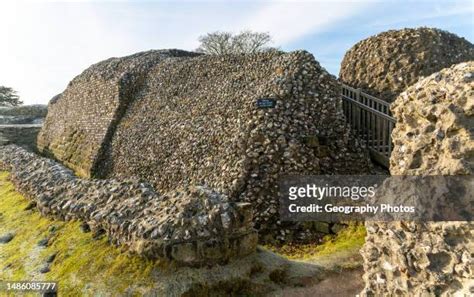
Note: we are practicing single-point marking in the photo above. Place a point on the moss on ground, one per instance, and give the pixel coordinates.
(349, 240)
(82, 266)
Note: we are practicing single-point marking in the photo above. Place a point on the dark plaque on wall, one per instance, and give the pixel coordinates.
(266, 103)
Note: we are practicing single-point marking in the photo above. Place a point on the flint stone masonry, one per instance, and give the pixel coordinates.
(435, 120)
(194, 226)
(82, 118)
(386, 64)
(195, 121)
(433, 136)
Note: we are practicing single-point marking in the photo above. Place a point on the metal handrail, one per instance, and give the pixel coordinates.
(371, 119)
(378, 100)
(375, 111)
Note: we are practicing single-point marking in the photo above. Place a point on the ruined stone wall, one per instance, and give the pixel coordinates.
(189, 226)
(20, 125)
(21, 135)
(433, 136)
(80, 119)
(435, 121)
(194, 121)
(386, 64)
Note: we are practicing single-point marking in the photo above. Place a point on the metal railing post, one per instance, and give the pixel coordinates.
(371, 120)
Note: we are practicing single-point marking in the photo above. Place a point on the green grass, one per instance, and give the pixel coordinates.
(347, 240)
(83, 266)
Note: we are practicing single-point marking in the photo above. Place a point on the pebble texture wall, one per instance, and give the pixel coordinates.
(81, 119)
(195, 121)
(386, 64)
(190, 226)
(433, 136)
(435, 120)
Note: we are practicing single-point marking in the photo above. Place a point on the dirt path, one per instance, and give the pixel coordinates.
(340, 284)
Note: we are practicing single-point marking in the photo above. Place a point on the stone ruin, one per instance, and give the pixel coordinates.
(386, 64)
(191, 226)
(82, 119)
(177, 119)
(20, 125)
(433, 136)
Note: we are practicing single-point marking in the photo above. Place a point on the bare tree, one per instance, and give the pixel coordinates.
(221, 43)
(251, 42)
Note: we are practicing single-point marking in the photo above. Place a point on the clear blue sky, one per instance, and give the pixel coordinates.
(45, 44)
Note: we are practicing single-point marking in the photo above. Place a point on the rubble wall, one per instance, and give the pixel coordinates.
(433, 136)
(195, 121)
(386, 64)
(81, 118)
(190, 226)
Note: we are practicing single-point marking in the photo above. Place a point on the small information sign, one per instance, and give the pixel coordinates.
(266, 103)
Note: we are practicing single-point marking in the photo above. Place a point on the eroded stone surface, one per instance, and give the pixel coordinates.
(191, 226)
(81, 119)
(433, 136)
(194, 121)
(386, 64)
(435, 118)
